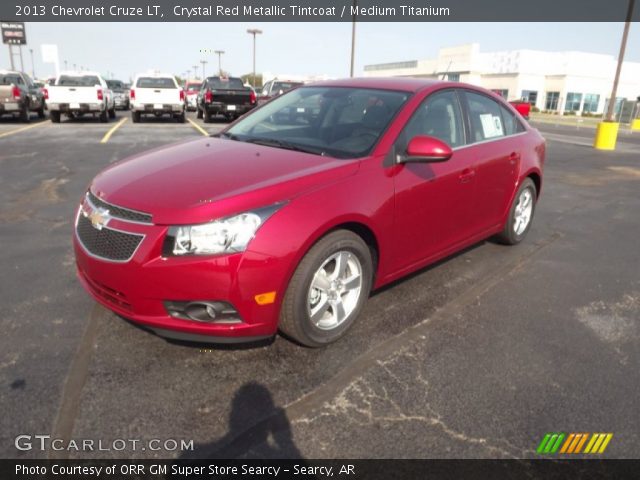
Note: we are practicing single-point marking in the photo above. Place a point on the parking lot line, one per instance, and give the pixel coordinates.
(22, 129)
(107, 135)
(198, 127)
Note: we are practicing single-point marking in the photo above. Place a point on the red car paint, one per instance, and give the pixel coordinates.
(522, 107)
(417, 213)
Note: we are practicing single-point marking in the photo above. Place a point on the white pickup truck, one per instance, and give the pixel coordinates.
(157, 94)
(78, 93)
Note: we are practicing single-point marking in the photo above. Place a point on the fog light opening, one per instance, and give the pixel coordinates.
(203, 311)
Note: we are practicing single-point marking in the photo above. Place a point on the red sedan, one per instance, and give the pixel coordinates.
(289, 217)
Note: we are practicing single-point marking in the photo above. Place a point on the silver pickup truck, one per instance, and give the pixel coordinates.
(19, 96)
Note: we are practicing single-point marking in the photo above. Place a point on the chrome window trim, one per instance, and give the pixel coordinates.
(95, 207)
(497, 139)
(97, 257)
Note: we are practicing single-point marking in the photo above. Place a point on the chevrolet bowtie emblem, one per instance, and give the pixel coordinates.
(99, 218)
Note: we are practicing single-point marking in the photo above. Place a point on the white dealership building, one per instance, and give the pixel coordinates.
(553, 81)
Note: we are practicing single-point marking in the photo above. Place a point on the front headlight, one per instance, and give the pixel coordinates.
(227, 235)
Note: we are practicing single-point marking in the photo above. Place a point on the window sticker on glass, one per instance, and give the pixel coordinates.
(491, 125)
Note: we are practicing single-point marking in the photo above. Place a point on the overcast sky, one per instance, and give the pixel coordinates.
(297, 48)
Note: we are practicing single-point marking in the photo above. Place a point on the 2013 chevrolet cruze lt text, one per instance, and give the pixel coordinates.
(289, 217)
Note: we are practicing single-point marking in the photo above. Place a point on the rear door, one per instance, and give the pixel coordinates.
(433, 201)
(157, 91)
(496, 149)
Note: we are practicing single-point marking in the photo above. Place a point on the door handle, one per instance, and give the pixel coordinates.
(514, 158)
(466, 175)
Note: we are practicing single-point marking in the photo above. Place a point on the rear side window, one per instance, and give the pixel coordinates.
(160, 82)
(9, 79)
(511, 124)
(78, 81)
(485, 117)
(218, 83)
(438, 116)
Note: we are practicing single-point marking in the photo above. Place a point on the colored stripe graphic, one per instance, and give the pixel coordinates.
(572, 443)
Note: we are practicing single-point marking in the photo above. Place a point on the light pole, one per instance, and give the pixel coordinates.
(33, 68)
(203, 62)
(254, 32)
(353, 36)
(219, 53)
(607, 132)
(195, 71)
(65, 65)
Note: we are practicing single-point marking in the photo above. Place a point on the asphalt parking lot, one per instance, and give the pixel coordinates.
(477, 356)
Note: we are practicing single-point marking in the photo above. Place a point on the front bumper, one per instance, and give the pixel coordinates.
(138, 289)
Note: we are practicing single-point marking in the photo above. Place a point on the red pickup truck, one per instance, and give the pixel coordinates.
(522, 107)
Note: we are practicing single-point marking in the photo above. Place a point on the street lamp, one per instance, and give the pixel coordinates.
(203, 62)
(607, 132)
(353, 36)
(254, 32)
(220, 53)
(195, 71)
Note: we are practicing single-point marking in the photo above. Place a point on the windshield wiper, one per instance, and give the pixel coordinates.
(230, 136)
(272, 142)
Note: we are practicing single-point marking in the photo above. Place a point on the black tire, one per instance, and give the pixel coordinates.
(207, 116)
(182, 117)
(112, 113)
(25, 115)
(135, 117)
(54, 116)
(508, 236)
(40, 112)
(104, 116)
(199, 114)
(295, 320)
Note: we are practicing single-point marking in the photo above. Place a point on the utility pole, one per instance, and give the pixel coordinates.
(219, 53)
(353, 37)
(195, 71)
(33, 68)
(21, 64)
(11, 56)
(254, 32)
(203, 62)
(607, 132)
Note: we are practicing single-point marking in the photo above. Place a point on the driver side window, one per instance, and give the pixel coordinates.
(438, 116)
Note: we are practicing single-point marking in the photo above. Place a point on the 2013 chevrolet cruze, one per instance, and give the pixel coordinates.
(289, 217)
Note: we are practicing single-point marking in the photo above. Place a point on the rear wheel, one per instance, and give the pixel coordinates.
(104, 116)
(41, 112)
(199, 114)
(328, 290)
(207, 116)
(24, 114)
(112, 113)
(55, 116)
(180, 118)
(135, 117)
(520, 214)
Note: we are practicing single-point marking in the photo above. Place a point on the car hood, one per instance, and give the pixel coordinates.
(198, 181)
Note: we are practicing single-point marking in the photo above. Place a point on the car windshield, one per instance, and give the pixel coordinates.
(153, 82)
(284, 86)
(334, 121)
(115, 85)
(78, 80)
(9, 79)
(220, 83)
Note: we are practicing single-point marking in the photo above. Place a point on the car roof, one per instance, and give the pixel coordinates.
(155, 75)
(406, 84)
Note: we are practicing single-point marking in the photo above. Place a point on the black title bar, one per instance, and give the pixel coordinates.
(315, 11)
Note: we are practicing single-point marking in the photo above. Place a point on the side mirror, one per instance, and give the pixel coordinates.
(423, 148)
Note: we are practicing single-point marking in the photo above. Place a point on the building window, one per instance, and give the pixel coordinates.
(530, 96)
(552, 101)
(503, 92)
(573, 102)
(453, 77)
(591, 101)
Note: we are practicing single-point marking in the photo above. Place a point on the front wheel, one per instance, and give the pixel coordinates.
(328, 290)
(520, 214)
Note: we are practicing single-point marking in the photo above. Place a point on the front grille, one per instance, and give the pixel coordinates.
(120, 212)
(106, 243)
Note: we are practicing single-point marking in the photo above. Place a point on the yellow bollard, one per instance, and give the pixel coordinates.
(635, 124)
(606, 136)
